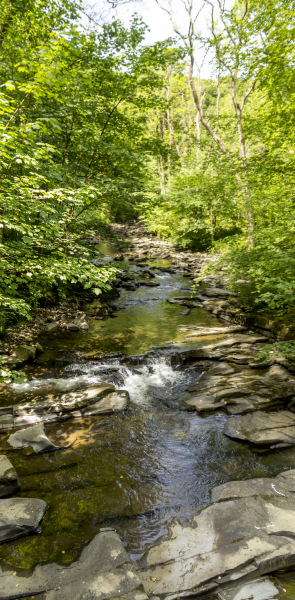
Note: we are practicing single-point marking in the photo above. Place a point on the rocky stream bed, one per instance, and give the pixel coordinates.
(149, 454)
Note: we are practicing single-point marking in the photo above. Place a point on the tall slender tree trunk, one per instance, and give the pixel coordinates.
(242, 180)
(162, 175)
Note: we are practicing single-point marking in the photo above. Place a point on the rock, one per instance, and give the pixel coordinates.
(111, 403)
(51, 327)
(9, 481)
(104, 571)
(260, 589)
(79, 324)
(65, 405)
(270, 488)
(249, 532)
(200, 331)
(6, 422)
(149, 283)
(239, 391)
(25, 353)
(218, 292)
(234, 348)
(274, 429)
(19, 517)
(32, 436)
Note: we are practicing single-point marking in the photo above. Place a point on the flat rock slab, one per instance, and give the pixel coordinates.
(242, 390)
(97, 399)
(32, 436)
(104, 571)
(273, 429)
(271, 488)
(240, 349)
(248, 533)
(6, 422)
(9, 481)
(114, 402)
(19, 517)
(261, 589)
(203, 331)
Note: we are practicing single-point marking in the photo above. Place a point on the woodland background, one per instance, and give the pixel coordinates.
(96, 126)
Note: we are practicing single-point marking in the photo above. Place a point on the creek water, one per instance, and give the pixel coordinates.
(138, 471)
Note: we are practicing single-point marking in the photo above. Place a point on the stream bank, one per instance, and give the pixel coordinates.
(148, 470)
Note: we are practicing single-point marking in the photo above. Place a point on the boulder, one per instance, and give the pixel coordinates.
(32, 436)
(249, 532)
(272, 429)
(104, 571)
(19, 517)
(9, 481)
(25, 353)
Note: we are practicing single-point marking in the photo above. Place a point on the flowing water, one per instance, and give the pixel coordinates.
(138, 471)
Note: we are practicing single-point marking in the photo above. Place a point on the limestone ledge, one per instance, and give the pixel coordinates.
(95, 400)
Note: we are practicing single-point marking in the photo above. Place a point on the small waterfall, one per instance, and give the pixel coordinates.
(151, 380)
(154, 380)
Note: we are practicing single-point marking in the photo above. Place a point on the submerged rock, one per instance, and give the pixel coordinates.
(19, 517)
(274, 429)
(32, 436)
(9, 481)
(104, 571)
(248, 532)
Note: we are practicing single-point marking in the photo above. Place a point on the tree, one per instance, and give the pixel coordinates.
(71, 121)
(229, 39)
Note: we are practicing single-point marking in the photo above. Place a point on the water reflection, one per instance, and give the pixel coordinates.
(137, 472)
(144, 319)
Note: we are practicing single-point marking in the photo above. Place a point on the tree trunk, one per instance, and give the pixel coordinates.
(162, 176)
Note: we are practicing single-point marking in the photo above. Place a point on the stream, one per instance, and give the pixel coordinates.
(138, 471)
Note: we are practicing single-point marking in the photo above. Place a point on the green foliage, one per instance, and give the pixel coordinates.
(198, 208)
(95, 126)
(71, 145)
(278, 350)
(7, 375)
